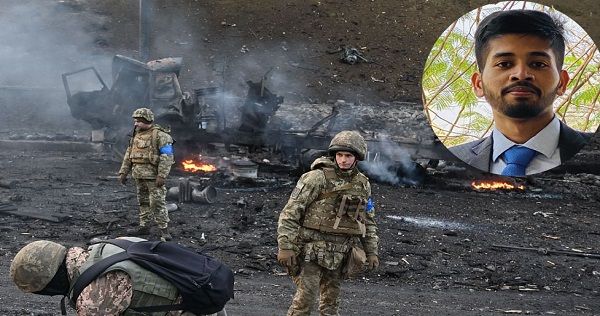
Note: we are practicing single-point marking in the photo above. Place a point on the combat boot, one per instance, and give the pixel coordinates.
(164, 234)
(141, 230)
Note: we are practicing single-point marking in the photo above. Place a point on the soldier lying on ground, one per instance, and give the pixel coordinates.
(48, 268)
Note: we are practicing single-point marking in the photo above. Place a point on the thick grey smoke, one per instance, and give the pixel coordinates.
(40, 41)
(390, 163)
(242, 66)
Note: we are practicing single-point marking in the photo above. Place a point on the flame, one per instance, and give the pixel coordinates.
(496, 185)
(192, 166)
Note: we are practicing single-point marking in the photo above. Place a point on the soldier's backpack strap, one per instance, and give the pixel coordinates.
(340, 212)
(93, 271)
(154, 140)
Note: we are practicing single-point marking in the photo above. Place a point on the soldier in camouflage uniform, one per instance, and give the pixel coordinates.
(47, 268)
(149, 157)
(329, 212)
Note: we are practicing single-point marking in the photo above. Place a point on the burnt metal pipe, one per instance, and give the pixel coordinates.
(145, 26)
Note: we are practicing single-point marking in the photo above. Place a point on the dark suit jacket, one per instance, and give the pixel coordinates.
(478, 153)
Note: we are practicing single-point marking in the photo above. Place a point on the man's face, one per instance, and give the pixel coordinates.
(520, 78)
(345, 160)
(141, 125)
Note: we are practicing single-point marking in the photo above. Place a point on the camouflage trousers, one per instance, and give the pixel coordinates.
(151, 200)
(312, 280)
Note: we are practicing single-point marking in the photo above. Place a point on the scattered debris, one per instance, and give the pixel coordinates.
(5, 207)
(376, 80)
(545, 251)
(244, 169)
(172, 207)
(190, 191)
(13, 210)
(544, 214)
(8, 184)
(352, 56)
(241, 203)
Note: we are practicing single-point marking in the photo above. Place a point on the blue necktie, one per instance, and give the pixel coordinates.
(517, 158)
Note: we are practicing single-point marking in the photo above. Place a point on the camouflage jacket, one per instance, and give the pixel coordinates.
(108, 295)
(148, 155)
(306, 195)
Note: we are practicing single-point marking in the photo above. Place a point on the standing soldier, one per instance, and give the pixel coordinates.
(149, 157)
(328, 217)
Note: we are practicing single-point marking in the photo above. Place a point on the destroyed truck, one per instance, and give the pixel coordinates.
(154, 84)
(297, 132)
(134, 84)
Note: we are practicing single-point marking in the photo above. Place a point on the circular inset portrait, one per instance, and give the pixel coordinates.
(513, 88)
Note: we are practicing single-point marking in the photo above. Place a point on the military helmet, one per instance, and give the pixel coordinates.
(35, 265)
(144, 113)
(350, 141)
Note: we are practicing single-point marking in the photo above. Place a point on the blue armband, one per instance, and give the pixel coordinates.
(166, 150)
(370, 207)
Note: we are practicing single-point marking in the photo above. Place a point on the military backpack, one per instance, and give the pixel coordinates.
(204, 284)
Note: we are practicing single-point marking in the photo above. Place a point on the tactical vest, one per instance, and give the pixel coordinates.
(143, 147)
(340, 208)
(148, 288)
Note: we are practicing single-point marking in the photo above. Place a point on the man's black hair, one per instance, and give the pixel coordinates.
(525, 22)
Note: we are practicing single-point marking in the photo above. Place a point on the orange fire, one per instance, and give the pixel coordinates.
(496, 185)
(193, 166)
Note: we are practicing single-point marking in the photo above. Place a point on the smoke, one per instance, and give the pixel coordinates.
(40, 41)
(219, 110)
(387, 162)
(239, 63)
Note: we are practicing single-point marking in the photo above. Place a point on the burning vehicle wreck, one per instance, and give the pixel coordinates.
(296, 132)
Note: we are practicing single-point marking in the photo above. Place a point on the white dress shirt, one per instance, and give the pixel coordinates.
(545, 142)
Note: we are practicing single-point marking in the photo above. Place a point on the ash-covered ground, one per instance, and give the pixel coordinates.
(440, 241)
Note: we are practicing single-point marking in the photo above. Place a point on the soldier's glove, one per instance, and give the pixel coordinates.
(122, 178)
(160, 181)
(373, 262)
(286, 258)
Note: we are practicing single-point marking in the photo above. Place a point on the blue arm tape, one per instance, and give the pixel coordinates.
(166, 149)
(370, 205)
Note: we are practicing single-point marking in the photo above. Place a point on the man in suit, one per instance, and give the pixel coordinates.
(520, 57)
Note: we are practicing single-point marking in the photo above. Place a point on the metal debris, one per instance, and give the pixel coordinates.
(9, 209)
(8, 184)
(189, 191)
(547, 251)
(352, 56)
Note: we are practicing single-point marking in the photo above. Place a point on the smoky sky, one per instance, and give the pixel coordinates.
(41, 39)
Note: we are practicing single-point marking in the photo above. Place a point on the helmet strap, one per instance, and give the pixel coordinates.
(63, 306)
(59, 285)
(346, 172)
